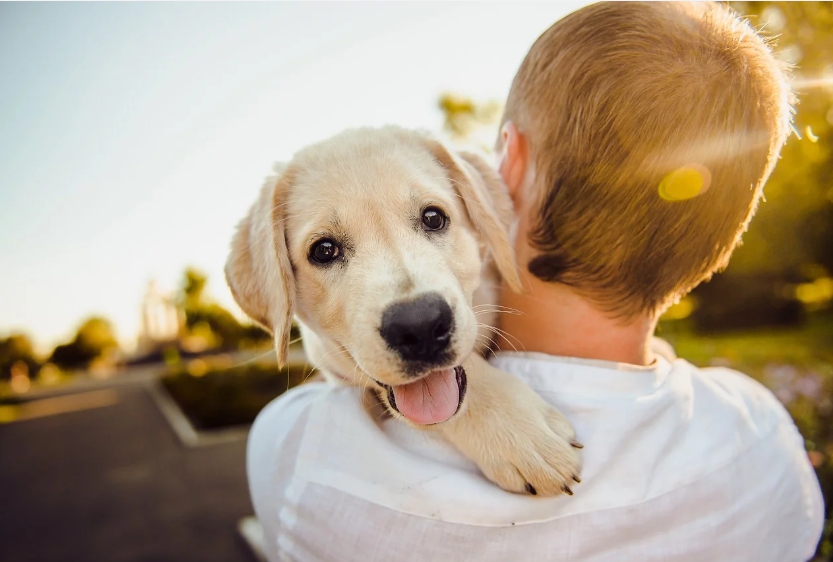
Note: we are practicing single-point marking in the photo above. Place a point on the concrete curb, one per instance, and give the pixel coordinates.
(252, 533)
(187, 434)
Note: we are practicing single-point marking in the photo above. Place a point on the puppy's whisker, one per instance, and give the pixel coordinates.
(491, 285)
(497, 331)
(487, 337)
(488, 340)
(505, 335)
(361, 383)
(330, 354)
(482, 312)
(333, 353)
(253, 359)
(365, 381)
(497, 306)
(306, 378)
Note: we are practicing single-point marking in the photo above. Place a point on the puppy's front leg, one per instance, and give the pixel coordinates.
(518, 441)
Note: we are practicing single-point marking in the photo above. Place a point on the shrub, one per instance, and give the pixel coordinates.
(218, 398)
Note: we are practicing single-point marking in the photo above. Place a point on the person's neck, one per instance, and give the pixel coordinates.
(553, 319)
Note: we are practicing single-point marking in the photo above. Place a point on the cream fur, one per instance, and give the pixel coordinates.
(366, 188)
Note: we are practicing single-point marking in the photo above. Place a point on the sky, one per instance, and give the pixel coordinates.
(134, 136)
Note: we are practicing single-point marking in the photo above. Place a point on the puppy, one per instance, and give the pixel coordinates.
(388, 248)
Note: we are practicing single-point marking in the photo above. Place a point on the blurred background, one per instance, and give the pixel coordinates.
(135, 136)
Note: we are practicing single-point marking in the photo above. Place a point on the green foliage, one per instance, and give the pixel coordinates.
(94, 339)
(470, 121)
(793, 229)
(193, 288)
(16, 347)
(211, 322)
(225, 397)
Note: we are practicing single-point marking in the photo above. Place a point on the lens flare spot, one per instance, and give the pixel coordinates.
(685, 182)
(810, 135)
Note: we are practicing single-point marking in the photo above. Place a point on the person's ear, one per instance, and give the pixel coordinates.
(514, 160)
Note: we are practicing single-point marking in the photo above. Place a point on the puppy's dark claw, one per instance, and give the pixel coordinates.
(567, 490)
(531, 489)
(576, 444)
(577, 479)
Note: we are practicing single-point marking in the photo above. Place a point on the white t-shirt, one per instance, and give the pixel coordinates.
(680, 463)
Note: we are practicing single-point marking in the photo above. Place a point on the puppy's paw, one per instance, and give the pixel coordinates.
(535, 452)
(518, 441)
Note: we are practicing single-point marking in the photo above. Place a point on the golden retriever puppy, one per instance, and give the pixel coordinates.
(388, 248)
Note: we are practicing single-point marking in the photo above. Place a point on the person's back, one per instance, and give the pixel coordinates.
(635, 144)
(680, 464)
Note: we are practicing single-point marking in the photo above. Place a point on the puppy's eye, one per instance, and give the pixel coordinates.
(433, 219)
(324, 251)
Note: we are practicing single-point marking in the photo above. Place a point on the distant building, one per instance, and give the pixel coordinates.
(161, 319)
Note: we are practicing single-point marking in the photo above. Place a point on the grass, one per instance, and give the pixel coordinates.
(809, 347)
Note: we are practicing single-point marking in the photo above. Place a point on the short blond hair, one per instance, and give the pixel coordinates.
(652, 129)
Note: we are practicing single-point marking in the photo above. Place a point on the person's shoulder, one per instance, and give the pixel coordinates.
(286, 413)
(743, 411)
(281, 431)
(281, 427)
(732, 389)
(772, 450)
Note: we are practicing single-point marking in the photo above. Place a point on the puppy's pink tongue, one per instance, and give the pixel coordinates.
(431, 399)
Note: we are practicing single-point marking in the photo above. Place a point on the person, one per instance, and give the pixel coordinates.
(635, 144)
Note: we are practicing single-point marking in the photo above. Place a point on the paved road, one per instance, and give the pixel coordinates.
(113, 484)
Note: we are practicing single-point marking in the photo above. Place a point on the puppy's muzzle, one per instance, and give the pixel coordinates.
(419, 330)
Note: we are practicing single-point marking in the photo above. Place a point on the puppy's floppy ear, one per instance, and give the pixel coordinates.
(487, 203)
(258, 269)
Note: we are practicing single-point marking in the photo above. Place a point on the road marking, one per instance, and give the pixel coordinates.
(58, 405)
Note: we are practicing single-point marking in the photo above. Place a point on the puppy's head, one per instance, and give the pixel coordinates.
(376, 240)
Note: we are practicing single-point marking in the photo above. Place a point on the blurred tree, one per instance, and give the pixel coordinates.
(193, 288)
(466, 120)
(794, 227)
(790, 241)
(209, 323)
(95, 339)
(16, 347)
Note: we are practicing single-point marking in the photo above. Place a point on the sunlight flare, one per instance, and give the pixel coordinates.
(685, 182)
(812, 83)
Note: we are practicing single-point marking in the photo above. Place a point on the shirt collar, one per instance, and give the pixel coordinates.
(573, 375)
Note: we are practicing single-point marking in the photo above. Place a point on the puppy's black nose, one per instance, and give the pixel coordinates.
(419, 330)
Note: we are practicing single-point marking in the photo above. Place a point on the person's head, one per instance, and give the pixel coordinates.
(637, 138)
